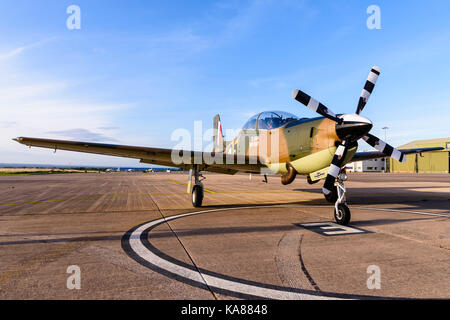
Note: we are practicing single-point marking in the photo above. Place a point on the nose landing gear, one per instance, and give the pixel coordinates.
(341, 211)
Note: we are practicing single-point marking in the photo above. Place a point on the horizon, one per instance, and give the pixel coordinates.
(44, 165)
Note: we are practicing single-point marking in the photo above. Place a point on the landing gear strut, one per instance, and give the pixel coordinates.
(197, 190)
(341, 211)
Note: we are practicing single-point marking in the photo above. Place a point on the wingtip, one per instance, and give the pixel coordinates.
(19, 139)
(295, 93)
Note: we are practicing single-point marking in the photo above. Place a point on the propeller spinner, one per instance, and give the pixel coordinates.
(350, 128)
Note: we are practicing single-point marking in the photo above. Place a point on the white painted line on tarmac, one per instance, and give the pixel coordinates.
(405, 211)
(228, 285)
(139, 248)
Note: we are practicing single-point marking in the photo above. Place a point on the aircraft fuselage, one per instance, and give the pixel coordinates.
(307, 144)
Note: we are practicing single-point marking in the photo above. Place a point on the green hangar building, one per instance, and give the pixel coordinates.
(429, 162)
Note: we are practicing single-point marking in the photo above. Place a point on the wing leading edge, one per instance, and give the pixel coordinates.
(228, 164)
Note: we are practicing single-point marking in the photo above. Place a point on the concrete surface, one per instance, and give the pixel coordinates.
(250, 243)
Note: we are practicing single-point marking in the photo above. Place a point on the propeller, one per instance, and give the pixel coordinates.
(368, 88)
(335, 167)
(315, 105)
(384, 148)
(350, 128)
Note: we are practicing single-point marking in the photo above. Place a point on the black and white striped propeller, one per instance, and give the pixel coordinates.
(368, 88)
(350, 128)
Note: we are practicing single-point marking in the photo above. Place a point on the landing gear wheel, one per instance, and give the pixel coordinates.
(333, 196)
(342, 215)
(197, 196)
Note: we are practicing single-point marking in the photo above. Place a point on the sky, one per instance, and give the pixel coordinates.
(138, 70)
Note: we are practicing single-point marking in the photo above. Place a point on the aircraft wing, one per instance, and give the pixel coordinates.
(360, 156)
(231, 164)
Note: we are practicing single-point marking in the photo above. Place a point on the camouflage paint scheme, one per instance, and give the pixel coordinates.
(308, 145)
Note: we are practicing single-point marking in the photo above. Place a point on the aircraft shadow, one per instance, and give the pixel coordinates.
(394, 196)
(117, 235)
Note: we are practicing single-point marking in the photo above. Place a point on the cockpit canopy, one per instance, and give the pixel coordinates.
(269, 120)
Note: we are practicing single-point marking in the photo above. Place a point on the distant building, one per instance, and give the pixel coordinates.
(429, 162)
(375, 165)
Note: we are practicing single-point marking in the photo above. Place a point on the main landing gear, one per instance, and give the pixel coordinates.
(341, 211)
(197, 190)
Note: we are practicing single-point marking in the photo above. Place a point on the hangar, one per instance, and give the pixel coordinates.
(432, 162)
(374, 165)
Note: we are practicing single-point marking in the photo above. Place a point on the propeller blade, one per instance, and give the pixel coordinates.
(315, 105)
(335, 167)
(368, 88)
(384, 148)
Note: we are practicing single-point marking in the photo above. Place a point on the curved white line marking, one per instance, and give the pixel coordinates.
(212, 281)
(405, 211)
(138, 247)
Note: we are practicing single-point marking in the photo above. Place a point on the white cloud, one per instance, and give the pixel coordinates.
(36, 105)
(12, 53)
(48, 110)
(7, 124)
(19, 50)
(80, 134)
(183, 40)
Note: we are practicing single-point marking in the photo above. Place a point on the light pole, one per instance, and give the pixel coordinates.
(385, 158)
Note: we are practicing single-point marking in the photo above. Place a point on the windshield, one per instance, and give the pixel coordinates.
(274, 119)
(269, 120)
(251, 123)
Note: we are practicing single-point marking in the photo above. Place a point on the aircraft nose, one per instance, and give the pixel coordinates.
(353, 127)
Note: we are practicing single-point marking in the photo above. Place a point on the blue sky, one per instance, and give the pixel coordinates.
(138, 70)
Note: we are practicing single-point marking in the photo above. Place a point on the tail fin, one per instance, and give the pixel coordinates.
(219, 142)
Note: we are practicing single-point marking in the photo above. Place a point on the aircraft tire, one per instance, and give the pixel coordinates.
(197, 196)
(342, 216)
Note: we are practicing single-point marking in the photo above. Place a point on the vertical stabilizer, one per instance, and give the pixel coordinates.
(219, 142)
